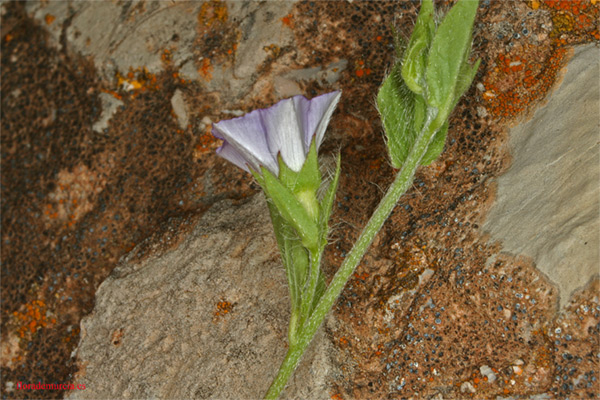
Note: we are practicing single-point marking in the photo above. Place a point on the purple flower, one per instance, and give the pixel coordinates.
(287, 128)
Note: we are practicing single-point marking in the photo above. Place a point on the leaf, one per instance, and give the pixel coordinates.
(465, 79)
(449, 50)
(291, 209)
(415, 57)
(396, 102)
(436, 146)
(419, 113)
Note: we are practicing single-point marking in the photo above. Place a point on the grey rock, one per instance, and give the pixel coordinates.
(485, 370)
(180, 109)
(548, 201)
(205, 320)
(119, 36)
(110, 105)
(286, 84)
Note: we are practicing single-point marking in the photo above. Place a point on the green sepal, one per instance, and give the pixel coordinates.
(291, 210)
(309, 176)
(321, 286)
(326, 204)
(294, 257)
(415, 57)
(436, 146)
(287, 176)
(449, 50)
(396, 102)
(304, 183)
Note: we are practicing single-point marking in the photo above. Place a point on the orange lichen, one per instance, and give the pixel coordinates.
(361, 70)
(33, 317)
(206, 142)
(223, 308)
(8, 37)
(211, 12)
(49, 18)
(206, 69)
(137, 80)
(578, 18)
(71, 335)
(112, 93)
(362, 276)
(273, 49)
(515, 82)
(166, 56)
(288, 21)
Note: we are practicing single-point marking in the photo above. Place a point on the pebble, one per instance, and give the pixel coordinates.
(467, 387)
(488, 372)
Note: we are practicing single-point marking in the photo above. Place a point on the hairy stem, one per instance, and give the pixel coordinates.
(386, 205)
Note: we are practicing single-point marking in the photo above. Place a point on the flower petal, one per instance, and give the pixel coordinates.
(256, 139)
(247, 135)
(228, 152)
(284, 134)
(315, 115)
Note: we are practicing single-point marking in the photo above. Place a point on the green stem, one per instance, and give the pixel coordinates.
(386, 205)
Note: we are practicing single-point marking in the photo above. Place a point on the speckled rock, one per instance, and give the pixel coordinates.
(547, 204)
(206, 320)
(107, 32)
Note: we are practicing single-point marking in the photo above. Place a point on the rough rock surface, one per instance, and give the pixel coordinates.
(548, 201)
(206, 320)
(96, 162)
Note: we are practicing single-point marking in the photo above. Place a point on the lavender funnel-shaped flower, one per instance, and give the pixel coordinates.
(286, 128)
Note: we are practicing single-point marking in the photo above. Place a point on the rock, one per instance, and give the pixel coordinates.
(485, 370)
(108, 31)
(547, 202)
(180, 109)
(467, 387)
(206, 320)
(110, 105)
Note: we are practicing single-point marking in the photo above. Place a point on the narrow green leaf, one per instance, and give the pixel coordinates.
(299, 268)
(447, 54)
(321, 286)
(291, 209)
(396, 102)
(436, 146)
(415, 57)
(328, 199)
